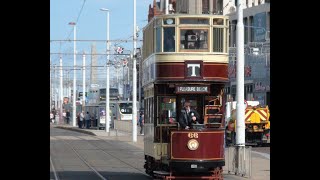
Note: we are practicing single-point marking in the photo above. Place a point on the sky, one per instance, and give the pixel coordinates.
(91, 24)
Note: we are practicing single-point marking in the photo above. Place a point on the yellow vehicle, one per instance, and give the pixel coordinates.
(257, 124)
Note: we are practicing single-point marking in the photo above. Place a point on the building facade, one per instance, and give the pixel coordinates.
(256, 21)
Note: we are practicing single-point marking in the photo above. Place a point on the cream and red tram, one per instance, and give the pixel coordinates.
(184, 58)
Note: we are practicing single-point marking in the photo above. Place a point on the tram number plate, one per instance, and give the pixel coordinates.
(194, 166)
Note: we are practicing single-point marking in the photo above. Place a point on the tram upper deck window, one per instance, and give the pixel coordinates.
(194, 39)
(194, 21)
(218, 39)
(158, 39)
(169, 39)
(158, 35)
(169, 21)
(217, 21)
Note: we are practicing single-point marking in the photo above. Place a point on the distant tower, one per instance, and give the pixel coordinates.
(93, 68)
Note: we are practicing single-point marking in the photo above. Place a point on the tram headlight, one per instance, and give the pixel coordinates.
(193, 144)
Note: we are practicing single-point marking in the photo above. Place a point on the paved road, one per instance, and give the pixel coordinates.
(78, 156)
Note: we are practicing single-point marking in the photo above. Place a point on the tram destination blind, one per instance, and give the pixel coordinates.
(192, 89)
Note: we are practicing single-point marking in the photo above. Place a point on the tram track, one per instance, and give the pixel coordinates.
(83, 160)
(107, 153)
(53, 170)
(99, 149)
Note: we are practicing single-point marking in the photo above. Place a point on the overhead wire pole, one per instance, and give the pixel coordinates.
(60, 96)
(55, 88)
(139, 85)
(240, 125)
(74, 75)
(51, 92)
(108, 76)
(134, 81)
(83, 80)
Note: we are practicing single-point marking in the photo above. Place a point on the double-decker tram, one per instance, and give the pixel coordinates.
(185, 59)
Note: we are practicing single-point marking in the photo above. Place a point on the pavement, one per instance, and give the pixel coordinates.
(260, 162)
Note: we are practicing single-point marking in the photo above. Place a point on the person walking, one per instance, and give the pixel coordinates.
(81, 120)
(68, 116)
(87, 119)
(64, 116)
(141, 123)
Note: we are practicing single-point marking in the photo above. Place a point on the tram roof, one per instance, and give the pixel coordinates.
(186, 15)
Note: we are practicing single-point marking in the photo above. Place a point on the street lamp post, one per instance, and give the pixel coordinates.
(108, 77)
(240, 139)
(139, 85)
(134, 81)
(240, 125)
(74, 75)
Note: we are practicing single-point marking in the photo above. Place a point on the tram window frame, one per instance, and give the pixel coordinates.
(218, 38)
(217, 21)
(194, 21)
(197, 39)
(146, 111)
(151, 110)
(167, 21)
(162, 101)
(158, 42)
(158, 35)
(226, 42)
(148, 118)
(169, 40)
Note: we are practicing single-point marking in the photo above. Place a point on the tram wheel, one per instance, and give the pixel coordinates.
(149, 166)
(217, 173)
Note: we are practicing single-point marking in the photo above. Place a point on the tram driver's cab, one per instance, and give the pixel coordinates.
(208, 107)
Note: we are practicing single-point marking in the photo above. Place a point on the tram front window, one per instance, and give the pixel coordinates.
(194, 39)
